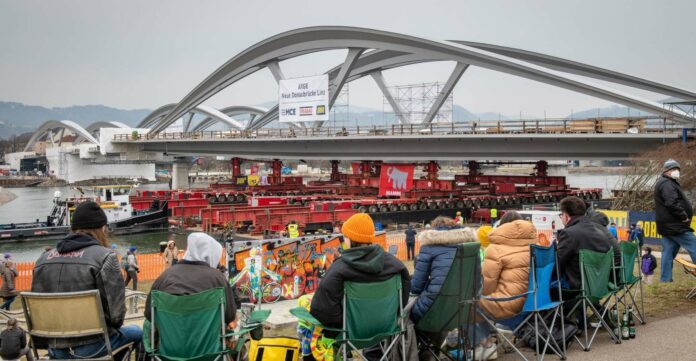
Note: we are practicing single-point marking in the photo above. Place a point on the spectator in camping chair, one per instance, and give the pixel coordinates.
(438, 249)
(506, 273)
(196, 273)
(363, 262)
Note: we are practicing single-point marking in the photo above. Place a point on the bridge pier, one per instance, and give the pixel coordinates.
(180, 173)
(335, 174)
(236, 167)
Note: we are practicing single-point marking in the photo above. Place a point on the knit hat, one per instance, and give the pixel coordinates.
(482, 235)
(88, 215)
(359, 228)
(670, 164)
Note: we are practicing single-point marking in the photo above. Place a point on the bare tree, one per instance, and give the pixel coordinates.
(636, 186)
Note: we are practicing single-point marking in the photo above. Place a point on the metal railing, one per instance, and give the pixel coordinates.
(546, 126)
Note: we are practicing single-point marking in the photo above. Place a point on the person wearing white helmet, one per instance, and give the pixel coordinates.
(673, 214)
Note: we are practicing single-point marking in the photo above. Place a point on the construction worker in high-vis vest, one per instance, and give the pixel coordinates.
(459, 219)
(293, 230)
(494, 215)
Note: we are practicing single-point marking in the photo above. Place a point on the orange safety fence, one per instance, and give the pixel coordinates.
(152, 264)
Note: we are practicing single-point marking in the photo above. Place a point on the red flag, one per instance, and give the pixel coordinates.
(395, 179)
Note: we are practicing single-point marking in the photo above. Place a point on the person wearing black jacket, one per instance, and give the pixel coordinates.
(13, 342)
(197, 272)
(673, 214)
(580, 233)
(83, 261)
(363, 262)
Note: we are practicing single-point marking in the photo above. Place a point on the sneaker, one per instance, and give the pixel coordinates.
(486, 353)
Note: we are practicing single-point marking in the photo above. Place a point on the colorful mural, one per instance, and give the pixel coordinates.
(289, 268)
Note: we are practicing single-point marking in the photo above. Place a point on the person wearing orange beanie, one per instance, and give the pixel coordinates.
(364, 262)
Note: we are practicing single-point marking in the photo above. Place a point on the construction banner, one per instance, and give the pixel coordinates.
(395, 179)
(618, 217)
(647, 221)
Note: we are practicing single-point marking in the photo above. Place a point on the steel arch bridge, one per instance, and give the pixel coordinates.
(372, 51)
(90, 134)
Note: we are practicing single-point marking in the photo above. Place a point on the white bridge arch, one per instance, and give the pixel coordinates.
(372, 51)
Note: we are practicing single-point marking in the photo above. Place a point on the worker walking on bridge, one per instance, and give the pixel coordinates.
(459, 219)
(293, 230)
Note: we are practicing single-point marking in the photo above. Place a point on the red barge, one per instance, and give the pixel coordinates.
(387, 191)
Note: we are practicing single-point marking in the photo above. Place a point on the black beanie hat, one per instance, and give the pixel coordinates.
(88, 215)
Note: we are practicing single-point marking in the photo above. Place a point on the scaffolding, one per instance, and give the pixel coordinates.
(340, 111)
(415, 101)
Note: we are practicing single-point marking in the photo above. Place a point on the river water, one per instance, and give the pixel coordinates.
(33, 203)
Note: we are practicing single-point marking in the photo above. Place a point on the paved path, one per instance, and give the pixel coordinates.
(669, 339)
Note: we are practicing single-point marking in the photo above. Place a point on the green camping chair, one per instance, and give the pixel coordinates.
(595, 269)
(455, 305)
(629, 283)
(372, 315)
(192, 327)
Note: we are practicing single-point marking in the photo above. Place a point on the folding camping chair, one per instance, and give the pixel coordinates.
(629, 284)
(595, 268)
(538, 308)
(689, 269)
(192, 327)
(52, 316)
(372, 315)
(454, 306)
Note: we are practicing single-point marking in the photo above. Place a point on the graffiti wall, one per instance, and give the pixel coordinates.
(289, 268)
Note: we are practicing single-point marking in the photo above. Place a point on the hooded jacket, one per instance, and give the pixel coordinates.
(582, 233)
(671, 208)
(196, 273)
(438, 249)
(506, 267)
(80, 263)
(362, 264)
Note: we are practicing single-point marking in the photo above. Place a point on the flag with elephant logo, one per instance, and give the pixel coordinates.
(395, 179)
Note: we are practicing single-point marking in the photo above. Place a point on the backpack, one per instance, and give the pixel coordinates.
(527, 335)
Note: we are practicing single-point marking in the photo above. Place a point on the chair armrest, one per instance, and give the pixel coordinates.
(302, 314)
(259, 316)
(503, 299)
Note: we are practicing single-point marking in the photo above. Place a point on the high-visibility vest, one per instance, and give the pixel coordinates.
(293, 231)
(494, 213)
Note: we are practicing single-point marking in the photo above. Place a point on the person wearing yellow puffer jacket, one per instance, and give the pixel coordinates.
(506, 267)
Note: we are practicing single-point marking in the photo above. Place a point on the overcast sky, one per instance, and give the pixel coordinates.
(143, 54)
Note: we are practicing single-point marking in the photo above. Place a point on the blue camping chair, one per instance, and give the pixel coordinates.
(538, 308)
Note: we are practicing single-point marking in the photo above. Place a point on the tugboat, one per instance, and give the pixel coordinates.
(114, 200)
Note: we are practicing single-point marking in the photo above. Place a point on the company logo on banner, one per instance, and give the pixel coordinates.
(303, 99)
(395, 179)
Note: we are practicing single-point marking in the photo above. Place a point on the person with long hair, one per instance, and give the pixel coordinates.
(13, 342)
(8, 290)
(84, 261)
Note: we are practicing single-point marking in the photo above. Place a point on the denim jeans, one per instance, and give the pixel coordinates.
(8, 302)
(670, 248)
(124, 335)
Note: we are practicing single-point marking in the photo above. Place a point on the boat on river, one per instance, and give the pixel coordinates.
(113, 199)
